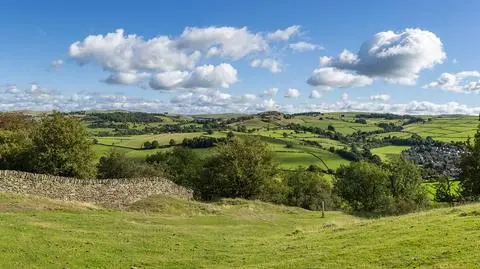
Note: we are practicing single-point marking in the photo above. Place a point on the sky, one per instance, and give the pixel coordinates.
(197, 57)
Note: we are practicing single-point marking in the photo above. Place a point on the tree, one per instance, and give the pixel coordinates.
(470, 166)
(331, 128)
(230, 135)
(210, 132)
(237, 169)
(308, 190)
(364, 186)
(181, 165)
(61, 146)
(172, 142)
(116, 165)
(155, 144)
(405, 186)
(147, 145)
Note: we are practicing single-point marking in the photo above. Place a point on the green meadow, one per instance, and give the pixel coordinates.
(161, 232)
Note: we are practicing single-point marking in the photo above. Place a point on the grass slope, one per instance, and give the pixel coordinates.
(168, 233)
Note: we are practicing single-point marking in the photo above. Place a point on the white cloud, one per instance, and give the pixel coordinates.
(464, 82)
(397, 57)
(56, 64)
(315, 95)
(206, 76)
(333, 77)
(304, 46)
(284, 34)
(272, 92)
(454, 61)
(344, 97)
(228, 42)
(125, 78)
(126, 53)
(380, 97)
(273, 65)
(292, 93)
(211, 101)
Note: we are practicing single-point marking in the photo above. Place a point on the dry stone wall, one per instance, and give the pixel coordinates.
(113, 193)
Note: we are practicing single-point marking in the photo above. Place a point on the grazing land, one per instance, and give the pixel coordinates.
(161, 232)
(297, 140)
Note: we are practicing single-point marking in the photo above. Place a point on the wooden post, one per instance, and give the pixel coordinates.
(323, 209)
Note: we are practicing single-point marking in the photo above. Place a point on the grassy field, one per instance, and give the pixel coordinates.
(385, 152)
(164, 232)
(446, 128)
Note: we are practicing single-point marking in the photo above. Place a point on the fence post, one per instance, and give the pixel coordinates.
(323, 209)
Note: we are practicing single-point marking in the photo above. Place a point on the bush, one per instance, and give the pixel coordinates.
(238, 169)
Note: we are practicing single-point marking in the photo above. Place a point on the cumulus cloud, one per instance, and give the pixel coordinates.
(126, 53)
(206, 76)
(397, 57)
(315, 95)
(463, 82)
(344, 97)
(304, 46)
(229, 42)
(272, 92)
(284, 34)
(337, 78)
(37, 98)
(273, 65)
(380, 97)
(292, 93)
(125, 78)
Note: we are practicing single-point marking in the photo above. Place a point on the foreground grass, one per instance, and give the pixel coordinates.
(169, 233)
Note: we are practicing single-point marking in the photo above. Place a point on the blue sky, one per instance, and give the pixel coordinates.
(418, 57)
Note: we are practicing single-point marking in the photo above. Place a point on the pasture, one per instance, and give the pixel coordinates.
(161, 232)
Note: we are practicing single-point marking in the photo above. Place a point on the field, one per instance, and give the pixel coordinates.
(301, 154)
(446, 128)
(164, 232)
(388, 151)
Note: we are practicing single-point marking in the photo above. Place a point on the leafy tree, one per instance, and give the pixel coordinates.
(210, 132)
(405, 186)
(239, 168)
(445, 191)
(470, 166)
(155, 144)
(172, 142)
(147, 145)
(331, 128)
(230, 135)
(116, 165)
(308, 190)
(61, 146)
(364, 186)
(181, 165)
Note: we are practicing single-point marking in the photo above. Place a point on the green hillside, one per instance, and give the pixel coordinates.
(169, 233)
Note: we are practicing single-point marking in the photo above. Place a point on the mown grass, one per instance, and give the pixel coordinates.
(169, 233)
